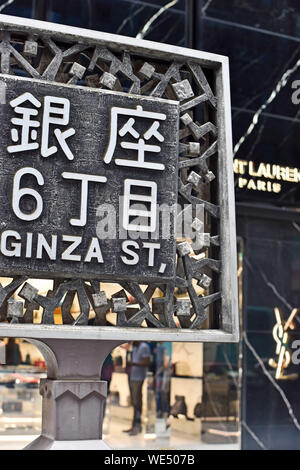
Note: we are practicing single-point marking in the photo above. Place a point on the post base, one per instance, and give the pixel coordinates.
(44, 443)
(73, 394)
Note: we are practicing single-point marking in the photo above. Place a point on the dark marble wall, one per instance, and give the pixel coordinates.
(262, 40)
(23, 8)
(271, 264)
(126, 17)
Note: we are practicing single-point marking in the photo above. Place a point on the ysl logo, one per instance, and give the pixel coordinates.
(281, 337)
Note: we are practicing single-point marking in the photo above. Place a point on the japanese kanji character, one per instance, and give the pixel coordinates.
(131, 200)
(26, 124)
(141, 147)
(84, 180)
(59, 114)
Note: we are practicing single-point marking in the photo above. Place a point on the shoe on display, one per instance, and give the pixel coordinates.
(179, 407)
(198, 412)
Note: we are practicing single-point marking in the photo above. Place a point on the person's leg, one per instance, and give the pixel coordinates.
(158, 395)
(139, 403)
(166, 407)
(137, 406)
(132, 398)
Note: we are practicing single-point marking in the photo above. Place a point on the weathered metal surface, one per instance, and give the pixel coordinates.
(73, 57)
(101, 333)
(90, 115)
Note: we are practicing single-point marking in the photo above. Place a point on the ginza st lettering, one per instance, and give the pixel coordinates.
(63, 158)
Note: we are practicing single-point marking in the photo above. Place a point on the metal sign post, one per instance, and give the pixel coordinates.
(116, 168)
(73, 394)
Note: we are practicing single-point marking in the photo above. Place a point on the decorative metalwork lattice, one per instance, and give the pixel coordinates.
(104, 61)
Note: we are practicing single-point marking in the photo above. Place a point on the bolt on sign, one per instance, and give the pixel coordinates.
(116, 183)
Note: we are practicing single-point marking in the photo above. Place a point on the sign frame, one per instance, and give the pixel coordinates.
(228, 330)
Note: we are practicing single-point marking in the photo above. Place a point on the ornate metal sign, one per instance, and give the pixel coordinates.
(108, 146)
(62, 169)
